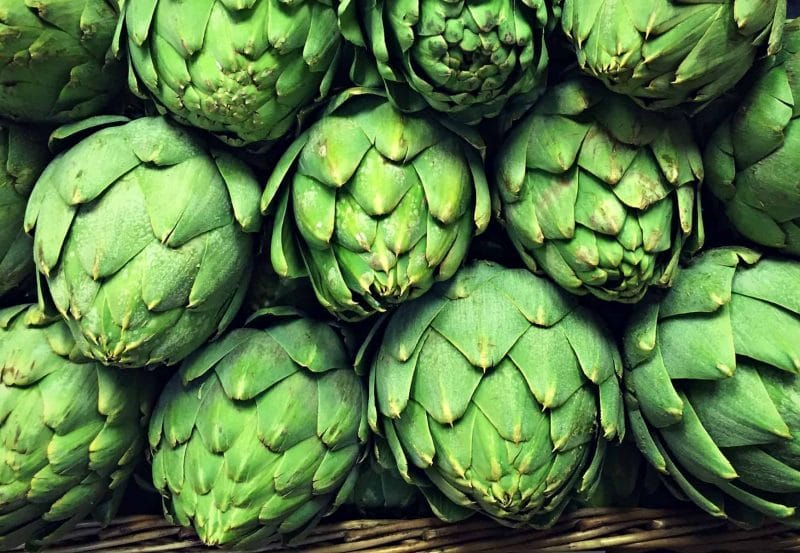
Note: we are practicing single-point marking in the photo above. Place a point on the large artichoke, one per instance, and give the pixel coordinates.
(714, 384)
(143, 233)
(242, 69)
(501, 391)
(23, 156)
(472, 59)
(751, 160)
(665, 53)
(71, 430)
(599, 193)
(377, 204)
(55, 60)
(259, 434)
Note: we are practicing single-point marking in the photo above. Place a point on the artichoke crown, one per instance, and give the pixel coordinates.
(713, 396)
(382, 204)
(259, 433)
(23, 156)
(71, 430)
(55, 62)
(599, 193)
(144, 235)
(240, 69)
(498, 389)
(471, 59)
(751, 159)
(665, 53)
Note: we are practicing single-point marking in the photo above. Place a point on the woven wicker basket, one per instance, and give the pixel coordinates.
(586, 530)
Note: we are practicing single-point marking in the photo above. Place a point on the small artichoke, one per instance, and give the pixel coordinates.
(472, 59)
(144, 234)
(71, 430)
(501, 391)
(665, 53)
(242, 69)
(55, 59)
(751, 160)
(599, 193)
(376, 205)
(380, 488)
(23, 156)
(713, 384)
(259, 434)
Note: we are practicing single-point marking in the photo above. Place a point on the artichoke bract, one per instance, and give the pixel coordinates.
(23, 157)
(599, 193)
(501, 391)
(242, 69)
(472, 59)
(71, 430)
(751, 160)
(56, 63)
(144, 235)
(666, 53)
(376, 205)
(713, 386)
(259, 434)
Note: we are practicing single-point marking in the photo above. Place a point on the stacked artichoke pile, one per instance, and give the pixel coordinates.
(397, 257)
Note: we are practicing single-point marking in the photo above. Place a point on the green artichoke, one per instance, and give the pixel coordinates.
(144, 236)
(376, 205)
(501, 391)
(242, 69)
(713, 384)
(598, 193)
(665, 53)
(259, 434)
(71, 430)
(55, 59)
(23, 156)
(380, 488)
(472, 59)
(751, 160)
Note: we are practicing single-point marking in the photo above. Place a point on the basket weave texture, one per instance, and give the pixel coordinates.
(586, 530)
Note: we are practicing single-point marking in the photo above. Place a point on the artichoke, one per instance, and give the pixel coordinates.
(71, 430)
(376, 205)
(242, 69)
(665, 53)
(144, 237)
(259, 434)
(55, 59)
(498, 389)
(598, 193)
(23, 156)
(380, 488)
(751, 160)
(714, 386)
(472, 59)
